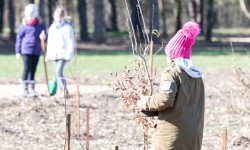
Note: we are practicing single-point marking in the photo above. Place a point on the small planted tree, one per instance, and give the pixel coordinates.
(131, 84)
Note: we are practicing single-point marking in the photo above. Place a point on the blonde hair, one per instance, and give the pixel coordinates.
(60, 10)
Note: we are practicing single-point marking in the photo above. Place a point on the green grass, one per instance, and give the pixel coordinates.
(102, 63)
(232, 31)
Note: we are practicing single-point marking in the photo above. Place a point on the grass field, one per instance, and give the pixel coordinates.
(105, 62)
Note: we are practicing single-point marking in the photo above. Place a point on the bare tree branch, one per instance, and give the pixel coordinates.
(244, 8)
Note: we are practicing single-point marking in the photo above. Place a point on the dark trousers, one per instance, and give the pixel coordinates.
(29, 66)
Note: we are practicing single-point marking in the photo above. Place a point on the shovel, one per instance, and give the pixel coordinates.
(44, 63)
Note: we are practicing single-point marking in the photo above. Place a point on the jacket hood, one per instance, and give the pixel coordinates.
(188, 67)
(61, 24)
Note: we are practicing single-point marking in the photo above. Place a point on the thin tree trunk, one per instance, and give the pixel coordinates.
(82, 9)
(135, 15)
(201, 21)
(1, 15)
(98, 36)
(52, 5)
(179, 12)
(154, 15)
(111, 22)
(192, 10)
(41, 8)
(11, 19)
(210, 21)
(163, 17)
(69, 8)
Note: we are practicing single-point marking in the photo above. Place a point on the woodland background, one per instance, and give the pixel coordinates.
(93, 19)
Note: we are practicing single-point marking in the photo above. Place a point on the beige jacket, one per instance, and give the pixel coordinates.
(180, 106)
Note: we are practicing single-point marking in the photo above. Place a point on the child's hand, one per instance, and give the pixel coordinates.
(42, 35)
(18, 56)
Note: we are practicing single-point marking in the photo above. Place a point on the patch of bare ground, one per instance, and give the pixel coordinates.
(39, 123)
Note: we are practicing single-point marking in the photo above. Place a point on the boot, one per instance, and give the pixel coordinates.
(25, 88)
(32, 92)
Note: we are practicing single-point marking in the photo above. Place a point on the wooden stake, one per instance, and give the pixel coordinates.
(151, 59)
(115, 147)
(87, 128)
(224, 139)
(67, 139)
(77, 110)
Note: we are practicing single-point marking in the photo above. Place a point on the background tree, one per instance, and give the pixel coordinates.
(98, 35)
(154, 15)
(52, 5)
(210, 20)
(135, 15)
(201, 15)
(162, 10)
(111, 16)
(1, 15)
(12, 20)
(41, 8)
(83, 21)
(179, 13)
(192, 10)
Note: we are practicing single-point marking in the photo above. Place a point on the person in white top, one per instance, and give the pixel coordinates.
(60, 45)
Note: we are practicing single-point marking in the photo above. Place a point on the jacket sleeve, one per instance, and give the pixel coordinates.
(70, 43)
(19, 37)
(164, 98)
(49, 48)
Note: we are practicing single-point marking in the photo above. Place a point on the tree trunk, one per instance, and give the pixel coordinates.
(178, 19)
(210, 20)
(1, 15)
(192, 10)
(162, 10)
(41, 8)
(135, 19)
(98, 36)
(11, 17)
(82, 9)
(111, 22)
(52, 5)
(154, 15)
(69, 8)
(201, 20)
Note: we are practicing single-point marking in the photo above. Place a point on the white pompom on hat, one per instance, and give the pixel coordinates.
(31, 10)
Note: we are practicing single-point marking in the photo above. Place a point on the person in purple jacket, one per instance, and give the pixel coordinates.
(30, 33)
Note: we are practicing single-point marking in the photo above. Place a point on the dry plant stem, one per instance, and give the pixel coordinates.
(87, 128)
(143, 21)
(134, 47)
(224, 139)
(151, 59)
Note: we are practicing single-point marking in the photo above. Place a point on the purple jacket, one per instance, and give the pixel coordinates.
(27, 39)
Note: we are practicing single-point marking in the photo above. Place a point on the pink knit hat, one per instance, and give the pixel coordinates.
(180, 45)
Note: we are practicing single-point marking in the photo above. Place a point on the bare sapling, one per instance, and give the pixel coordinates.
(243, 81)
(132, 83)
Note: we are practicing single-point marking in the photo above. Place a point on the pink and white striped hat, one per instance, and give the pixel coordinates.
(180, 45)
